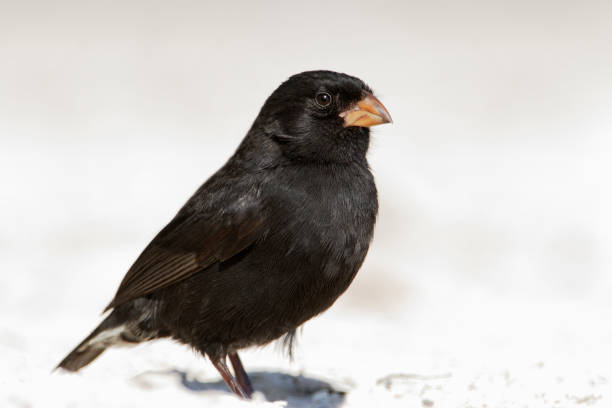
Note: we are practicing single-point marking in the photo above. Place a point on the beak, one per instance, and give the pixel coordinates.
(367, 112)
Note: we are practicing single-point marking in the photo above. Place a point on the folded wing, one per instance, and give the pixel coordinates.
(191, 242)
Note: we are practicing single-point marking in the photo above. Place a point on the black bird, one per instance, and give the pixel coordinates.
(269, 241)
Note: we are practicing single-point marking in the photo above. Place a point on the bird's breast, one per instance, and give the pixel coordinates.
(327, 218)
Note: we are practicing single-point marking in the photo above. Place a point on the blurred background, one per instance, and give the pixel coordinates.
(493, 236)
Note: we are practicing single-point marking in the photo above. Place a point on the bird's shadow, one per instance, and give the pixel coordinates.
(298, 390)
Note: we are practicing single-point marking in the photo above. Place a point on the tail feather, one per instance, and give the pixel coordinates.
(127, 325)
(105, 335)
(80, 357)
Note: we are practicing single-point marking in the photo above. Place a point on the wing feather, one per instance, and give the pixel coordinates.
(188, 244)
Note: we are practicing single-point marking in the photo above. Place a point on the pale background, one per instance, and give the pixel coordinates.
(489, 278)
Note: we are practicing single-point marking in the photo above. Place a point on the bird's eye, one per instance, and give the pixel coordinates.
(323, 99)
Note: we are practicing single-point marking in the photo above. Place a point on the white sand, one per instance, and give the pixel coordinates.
(453, 346)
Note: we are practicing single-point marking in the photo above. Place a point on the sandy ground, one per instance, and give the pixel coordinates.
(488, 284)
(396, 342)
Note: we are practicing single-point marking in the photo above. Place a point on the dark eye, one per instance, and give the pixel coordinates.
(323, 99)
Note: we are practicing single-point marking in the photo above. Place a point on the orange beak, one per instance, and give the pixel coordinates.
(367, 112)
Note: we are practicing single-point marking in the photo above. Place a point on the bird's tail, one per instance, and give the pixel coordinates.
(109, 332)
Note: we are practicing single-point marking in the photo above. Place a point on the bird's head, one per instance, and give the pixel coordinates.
(321, 116)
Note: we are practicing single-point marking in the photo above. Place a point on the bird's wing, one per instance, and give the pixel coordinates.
(188, 244)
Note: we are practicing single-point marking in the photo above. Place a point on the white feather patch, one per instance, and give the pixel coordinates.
(110, 337)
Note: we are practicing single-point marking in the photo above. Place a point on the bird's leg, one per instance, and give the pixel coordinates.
(241, 375)
(228, 378)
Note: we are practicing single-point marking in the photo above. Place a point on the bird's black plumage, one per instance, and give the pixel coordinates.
(269, 241)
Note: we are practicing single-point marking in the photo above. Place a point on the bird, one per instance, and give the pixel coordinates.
(269, 241)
